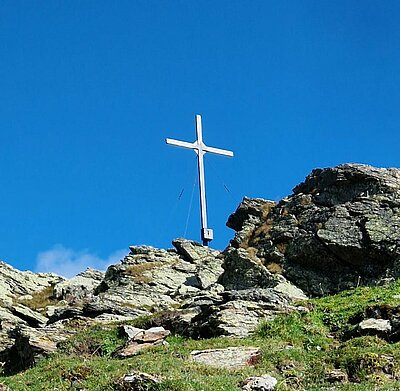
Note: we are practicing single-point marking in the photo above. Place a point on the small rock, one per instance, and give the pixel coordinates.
(139, 339)
(228, 358)
(380, 327)
(129, 331)
(153, 334)
(136, 381)
(260, 383)
(336, 375)
(132, 348)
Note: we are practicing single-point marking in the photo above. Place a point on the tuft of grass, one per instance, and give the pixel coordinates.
(96, 341)
(367, 358)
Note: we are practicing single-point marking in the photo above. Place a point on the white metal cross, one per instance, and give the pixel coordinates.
(200, 148)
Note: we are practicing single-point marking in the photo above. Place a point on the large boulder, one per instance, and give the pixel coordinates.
(339, 229)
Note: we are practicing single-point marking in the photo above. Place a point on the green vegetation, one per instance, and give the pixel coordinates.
(300, 349)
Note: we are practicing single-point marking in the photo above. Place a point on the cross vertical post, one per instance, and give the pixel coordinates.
(200, 148)
(206, 236)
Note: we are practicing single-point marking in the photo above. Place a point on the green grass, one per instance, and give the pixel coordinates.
(299, 349)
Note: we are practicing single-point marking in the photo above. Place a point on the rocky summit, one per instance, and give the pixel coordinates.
(338, 230)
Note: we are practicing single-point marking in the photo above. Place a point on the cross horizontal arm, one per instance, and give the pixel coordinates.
(218, 151)
(179, 143)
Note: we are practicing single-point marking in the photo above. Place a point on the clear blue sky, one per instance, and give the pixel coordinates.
(89, 90)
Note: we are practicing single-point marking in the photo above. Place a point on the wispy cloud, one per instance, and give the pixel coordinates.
(68, 262)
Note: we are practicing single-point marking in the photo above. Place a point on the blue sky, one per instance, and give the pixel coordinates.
(89, 90)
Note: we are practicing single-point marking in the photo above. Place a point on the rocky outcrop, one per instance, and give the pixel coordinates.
(339, 229)
(238, 313)
(159, 279)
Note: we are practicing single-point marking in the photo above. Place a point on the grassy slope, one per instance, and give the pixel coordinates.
(298, 349)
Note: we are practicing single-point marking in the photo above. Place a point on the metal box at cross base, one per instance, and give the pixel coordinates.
(207, 234)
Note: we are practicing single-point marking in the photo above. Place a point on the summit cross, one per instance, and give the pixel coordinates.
(200, 148)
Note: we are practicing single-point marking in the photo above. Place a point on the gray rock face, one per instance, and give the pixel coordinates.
(241, 271)
(33, 318)
(339, 229)
(27, 345)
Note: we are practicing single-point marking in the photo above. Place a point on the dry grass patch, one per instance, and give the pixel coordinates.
(40, 299)
(274, 268)
(140, 271)
(252, 251)
(282, 247)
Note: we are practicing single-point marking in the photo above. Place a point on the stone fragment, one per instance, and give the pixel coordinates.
(380, 327)
(113, 318)
(153, 334)
(228, 358)
(129, 332)
(132, 348)
(260, 383)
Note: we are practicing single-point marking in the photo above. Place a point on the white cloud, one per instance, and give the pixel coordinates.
(68, 262)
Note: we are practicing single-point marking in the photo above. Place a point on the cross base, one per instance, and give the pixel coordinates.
(206, 235)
